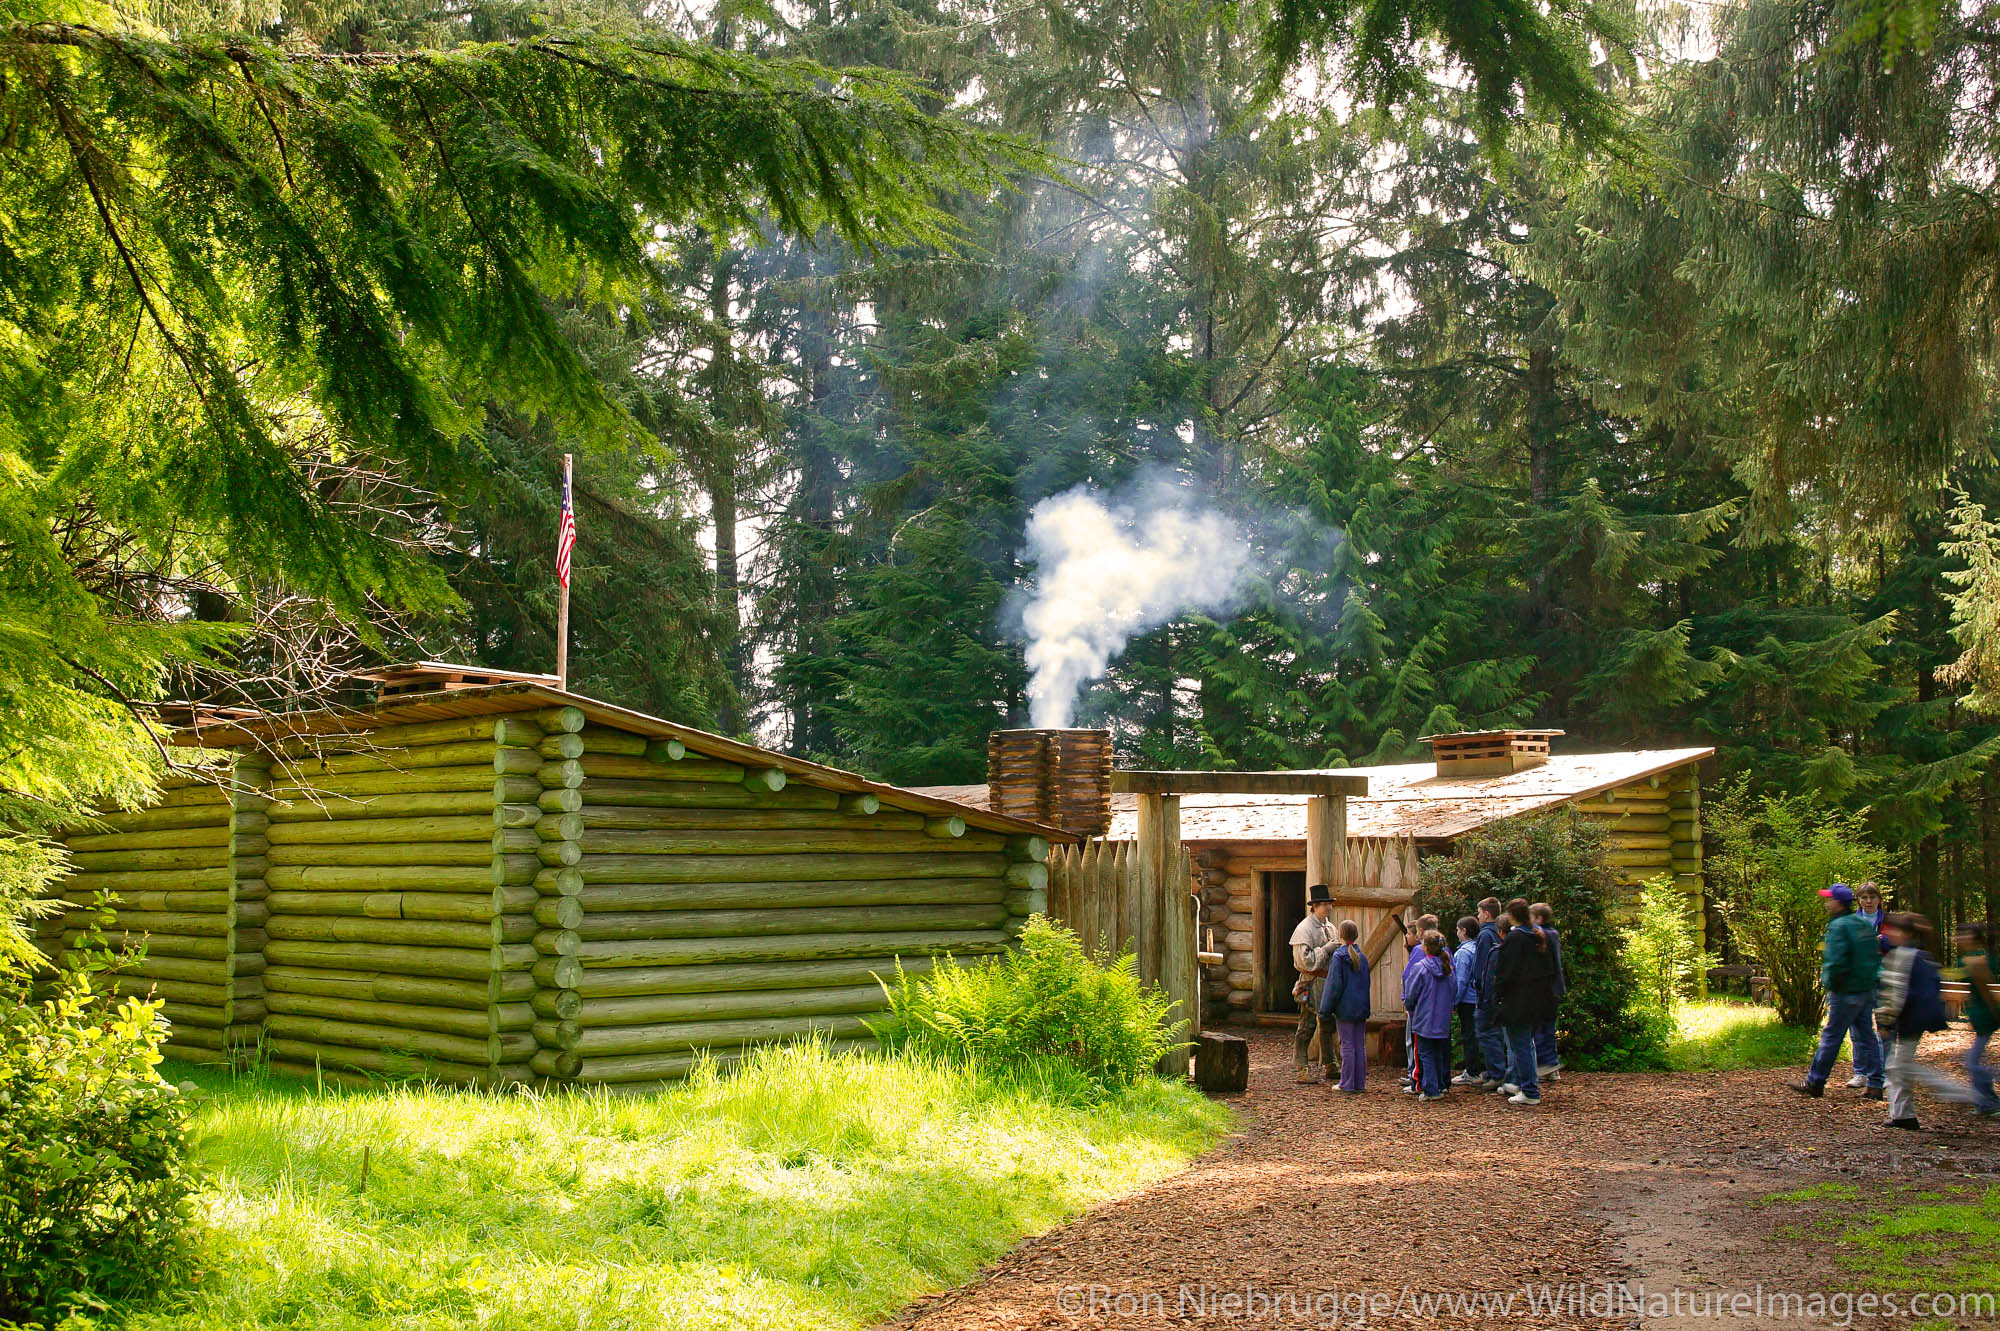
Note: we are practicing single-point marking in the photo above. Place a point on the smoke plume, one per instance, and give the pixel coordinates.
(1109, 570)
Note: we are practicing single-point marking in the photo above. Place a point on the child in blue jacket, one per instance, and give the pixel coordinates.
(1430, 998)
(1464, 970)
(1344, 999)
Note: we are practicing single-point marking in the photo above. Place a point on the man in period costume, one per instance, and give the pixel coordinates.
(1313, 943)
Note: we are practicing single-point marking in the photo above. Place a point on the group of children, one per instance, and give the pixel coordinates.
(1884, 993)
(1501, 984)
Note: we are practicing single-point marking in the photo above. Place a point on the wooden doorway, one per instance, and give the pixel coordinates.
(1284, 902)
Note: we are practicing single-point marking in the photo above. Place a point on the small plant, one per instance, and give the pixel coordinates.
(1044, 1005)
(94, 1194)
(1777, 852)
(1662, 948)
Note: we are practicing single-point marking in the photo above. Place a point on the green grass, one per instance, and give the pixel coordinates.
(1905, 1239)
(803, 1190)
(1719, 1034)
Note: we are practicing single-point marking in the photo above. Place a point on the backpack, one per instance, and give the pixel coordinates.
(1923, 1003)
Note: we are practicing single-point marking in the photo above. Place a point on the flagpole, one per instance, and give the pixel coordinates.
(562, 608)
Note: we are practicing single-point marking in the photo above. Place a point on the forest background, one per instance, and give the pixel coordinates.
(1667, 422)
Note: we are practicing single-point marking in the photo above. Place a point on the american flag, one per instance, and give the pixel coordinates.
(566, 532)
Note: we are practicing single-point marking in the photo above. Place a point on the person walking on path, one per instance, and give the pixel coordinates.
(1313, 943)
(1868, 905)
(1493, 1053)
(1850, 962)
(1523, 998)
(1909, 1005)
(1344, 1002)
(1467, 999)
(1548, 1061)
(1428, 994)
(1982, 1009)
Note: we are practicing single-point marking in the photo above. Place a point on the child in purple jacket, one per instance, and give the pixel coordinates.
(1430, 998)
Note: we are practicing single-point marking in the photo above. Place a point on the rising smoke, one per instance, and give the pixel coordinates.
(1110, 568)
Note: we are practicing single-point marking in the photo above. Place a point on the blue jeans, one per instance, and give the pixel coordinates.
(1981, 1075)
(1545, 1045)
(1848, 1014)
(1521, 1061)
(1492, 1042)
(1434, 1063)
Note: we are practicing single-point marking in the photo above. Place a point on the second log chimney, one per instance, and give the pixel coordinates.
(1060, 777)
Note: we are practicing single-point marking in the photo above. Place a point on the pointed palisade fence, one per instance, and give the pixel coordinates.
(1115, 900)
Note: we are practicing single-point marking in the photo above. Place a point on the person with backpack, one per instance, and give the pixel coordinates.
(1493, 1053)
(1548, 1062)
(1909, 1004)
(1344, 1002)
(1523, 998)
(1982, 1009)
(1428, 996)
(1849, 963)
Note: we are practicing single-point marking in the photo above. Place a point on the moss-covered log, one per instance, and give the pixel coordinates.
(330, 787)
(641, 925)
(801, 895)
(470, 907)
(460, 853)
(780, 948)
(568, 973)
(459, 963)
(306, 1054)
(786, 867)
(189, 859)
(387, 878)
(682, 795)
(650, 1009)
(181, 838)
(420, 991)
(390, 826)
(592, 817)
(713, 841)
(217, 878)
(467, 1023)
(394, 931)
(210, 901)
(609, 1042)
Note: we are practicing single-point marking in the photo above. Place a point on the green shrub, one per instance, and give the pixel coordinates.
(1044, 1008)
(94, 1197)
(1775, 854)
(1559, 857)
(1662, 948)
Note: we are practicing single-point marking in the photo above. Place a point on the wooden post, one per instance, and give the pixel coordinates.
(562, 607)
(1326, 840)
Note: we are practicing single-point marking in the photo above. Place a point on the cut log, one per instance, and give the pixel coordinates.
(694, 841)
(306, 1054)
(213, 924)
(189, 859)
(160, 945)
(382, 987)
(618, 1041)
(462, 1022)
(441, 962)
(388, 878)
(684, 795)
(395, 932)
(516, 815)
(413, 832)
(763, 781)
(950, 828)
(782, 948)
(181, 838)
(783, 895)
(156, 820)
(651, 1009)
(866, 805)
(568, 973)
(1033, 849)
(172, 902)
(666, 750)
(556, 826)
(1221, 1063)
(470, 907)
(306, 771)
(640, 925)
(335, 788)
(197, 880)
(387, 854)
(939, 863)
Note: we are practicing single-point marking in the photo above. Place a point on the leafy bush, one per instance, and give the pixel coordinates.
(1662, 947)
(1775, 854)
(94, 1196)
(1559, 857)
(1045, 1002)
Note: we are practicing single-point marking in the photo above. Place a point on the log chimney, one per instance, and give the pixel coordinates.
(1490, 752)
(1061, 777)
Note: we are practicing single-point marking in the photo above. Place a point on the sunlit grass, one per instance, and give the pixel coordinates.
(1717, 1035)
(805, 1190)
(1903, 1239)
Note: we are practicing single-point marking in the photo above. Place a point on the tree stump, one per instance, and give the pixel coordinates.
(1221, 1062)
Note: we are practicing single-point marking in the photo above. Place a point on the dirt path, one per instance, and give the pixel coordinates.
(1330, 1210)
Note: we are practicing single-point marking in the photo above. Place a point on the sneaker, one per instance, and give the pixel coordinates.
(1465, 1079)
(1508, 1088)
(1438, 1096)
(1548, 1073)
(1807, 1088)
(1856, 1082)
(1526, 1100)
(1872, 1093)
(1409, 1089)
(1906, 1124)
(1990, 1112)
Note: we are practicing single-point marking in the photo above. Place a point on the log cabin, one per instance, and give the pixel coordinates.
(484, 879)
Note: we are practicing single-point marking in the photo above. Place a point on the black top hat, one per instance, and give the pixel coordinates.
(1317, 895)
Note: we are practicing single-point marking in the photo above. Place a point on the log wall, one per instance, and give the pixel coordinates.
(532, 898)
(187, 882)
(1655, 831)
